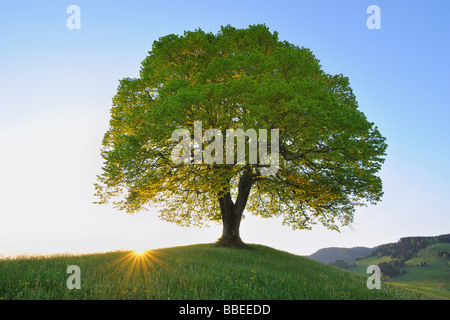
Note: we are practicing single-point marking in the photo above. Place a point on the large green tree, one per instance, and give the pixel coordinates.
(329, 153)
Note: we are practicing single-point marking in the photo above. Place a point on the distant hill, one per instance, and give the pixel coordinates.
(408, 247)
(419, 263)
(348, 255)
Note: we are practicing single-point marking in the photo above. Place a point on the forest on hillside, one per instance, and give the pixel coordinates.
(403, 250)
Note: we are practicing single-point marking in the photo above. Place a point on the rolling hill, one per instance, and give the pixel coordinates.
(195, 272)
(418, 263)
(348, 255)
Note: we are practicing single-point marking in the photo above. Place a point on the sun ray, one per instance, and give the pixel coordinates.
(136, 264)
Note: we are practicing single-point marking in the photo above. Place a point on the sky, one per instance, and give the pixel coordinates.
(56, 86)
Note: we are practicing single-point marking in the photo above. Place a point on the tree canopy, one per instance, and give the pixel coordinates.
(329, 153)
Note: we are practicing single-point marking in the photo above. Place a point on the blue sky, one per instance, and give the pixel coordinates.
(56, 87)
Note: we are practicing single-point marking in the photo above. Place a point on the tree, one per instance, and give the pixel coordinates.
(328, 152)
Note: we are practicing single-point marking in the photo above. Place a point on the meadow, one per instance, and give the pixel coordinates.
(193, 272)
(432, 278)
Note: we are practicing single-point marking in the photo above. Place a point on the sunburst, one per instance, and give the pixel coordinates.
(138, 263)
(140, 252)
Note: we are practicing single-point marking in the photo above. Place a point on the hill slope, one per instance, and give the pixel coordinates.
(348, 255)
(191, 272)
(421, 263)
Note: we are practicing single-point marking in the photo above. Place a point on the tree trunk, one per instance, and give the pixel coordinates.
(232, 213)
(231, 221)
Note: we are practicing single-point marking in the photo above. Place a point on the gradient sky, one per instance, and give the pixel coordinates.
(56, 87)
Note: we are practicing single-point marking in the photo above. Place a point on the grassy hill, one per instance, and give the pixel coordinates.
(427, 270)
(201, 271)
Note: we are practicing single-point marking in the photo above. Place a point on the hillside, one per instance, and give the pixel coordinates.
(194, 272)
(420, 263)
(408, 247)
(348, 255)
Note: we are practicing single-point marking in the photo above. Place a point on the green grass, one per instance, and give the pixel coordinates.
(361, 266)
(432, 279)
(192, 272)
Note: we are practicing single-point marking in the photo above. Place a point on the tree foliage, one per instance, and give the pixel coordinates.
(329, 153)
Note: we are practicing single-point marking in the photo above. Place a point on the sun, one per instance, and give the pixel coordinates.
(139, 263)
(140, 251)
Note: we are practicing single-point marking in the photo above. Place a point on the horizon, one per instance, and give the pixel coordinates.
(62, 254)
(57, 88)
